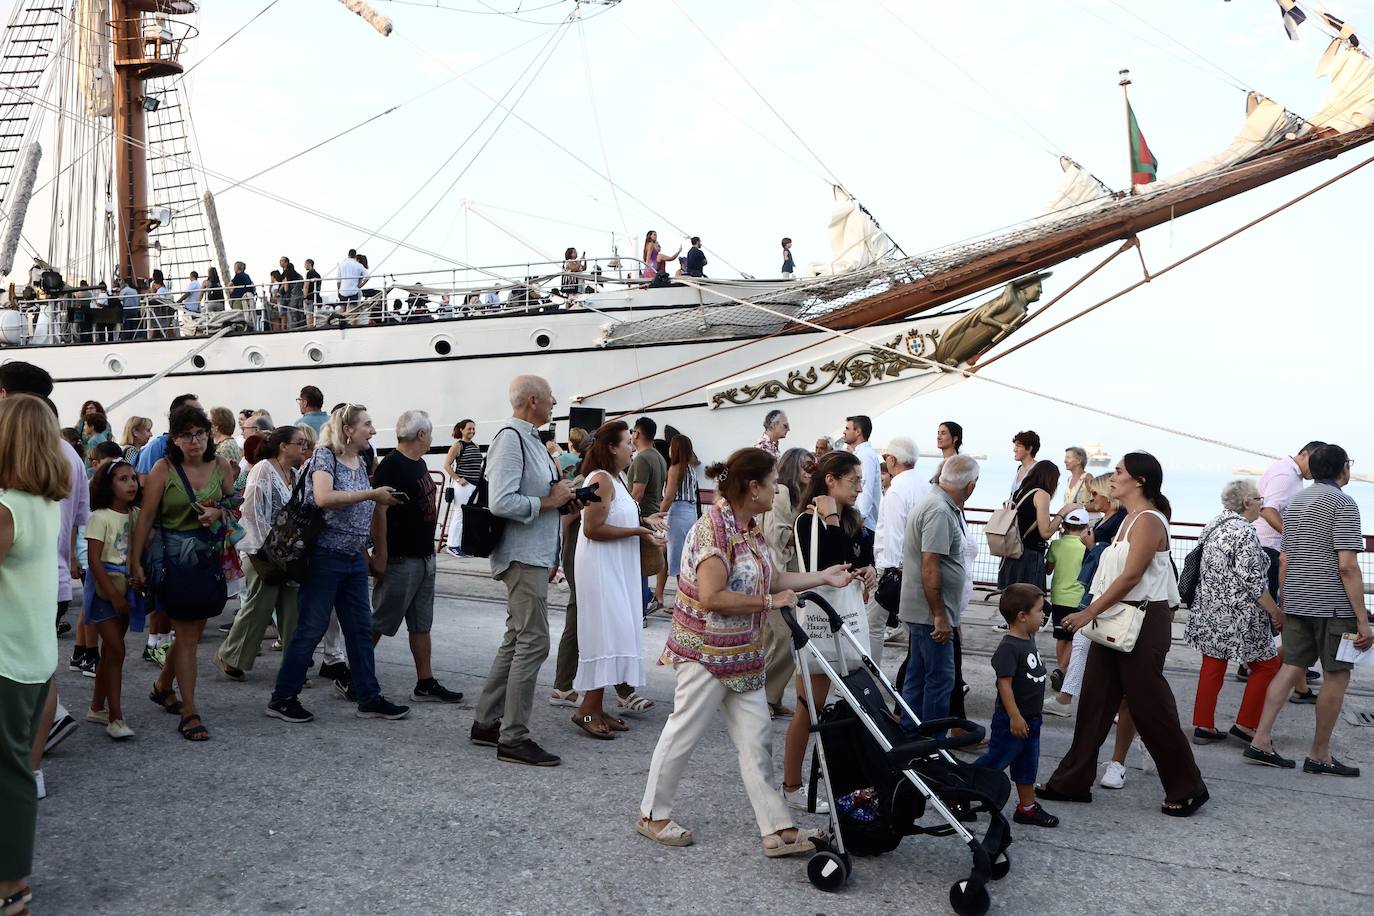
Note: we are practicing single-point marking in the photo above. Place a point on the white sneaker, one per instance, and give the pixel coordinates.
(797, 799)
(38, 778)
(1147, 763)
(895, 636)
(119, 730)
(1055, 708)
(1113, 777)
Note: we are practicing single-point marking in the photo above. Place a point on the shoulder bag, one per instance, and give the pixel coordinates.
(482, 528)
(1005, 537)
(286, 552)
(1118, 627)
(188, 591)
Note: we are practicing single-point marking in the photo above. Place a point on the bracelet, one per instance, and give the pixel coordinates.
(831, 515)
(768, 603)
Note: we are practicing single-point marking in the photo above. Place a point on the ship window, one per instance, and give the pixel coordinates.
(542, 341)
(198, 361)
(115, 365)
(442, 344)
(314, 354)
(256, 359)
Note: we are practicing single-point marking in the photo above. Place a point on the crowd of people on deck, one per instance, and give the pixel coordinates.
(148, 308)
(163, 530)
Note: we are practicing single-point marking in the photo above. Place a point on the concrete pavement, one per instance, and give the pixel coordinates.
(344, 815)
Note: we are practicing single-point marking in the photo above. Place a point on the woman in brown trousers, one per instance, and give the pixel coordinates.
(1135, 567)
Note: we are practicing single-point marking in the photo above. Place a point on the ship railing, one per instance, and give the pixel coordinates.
(150, 39)
(267, 307)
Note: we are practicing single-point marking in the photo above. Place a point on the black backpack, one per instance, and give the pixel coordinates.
(286, 552)
(482, 528)
(1191, 577)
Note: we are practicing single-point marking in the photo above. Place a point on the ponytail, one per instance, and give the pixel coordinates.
(1146, 469)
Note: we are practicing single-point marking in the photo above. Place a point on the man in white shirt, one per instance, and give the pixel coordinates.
(857, 431)
(191, 300)
(351, 277)
(902, 495)
(1281, 481)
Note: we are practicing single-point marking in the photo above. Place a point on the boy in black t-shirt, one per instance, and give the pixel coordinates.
(1015, 732)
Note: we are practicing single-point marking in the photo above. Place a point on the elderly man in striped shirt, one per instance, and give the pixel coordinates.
(1323, 606)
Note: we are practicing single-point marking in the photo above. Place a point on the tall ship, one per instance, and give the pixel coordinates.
(91, 95)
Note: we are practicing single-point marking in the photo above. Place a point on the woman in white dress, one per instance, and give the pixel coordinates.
(829, 531)
(609, 583)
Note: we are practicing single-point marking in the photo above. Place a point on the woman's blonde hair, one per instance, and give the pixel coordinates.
(222, 419)
(132, 424)
(1101, 485)
(311, 439)
(334, 435)
(31, 456)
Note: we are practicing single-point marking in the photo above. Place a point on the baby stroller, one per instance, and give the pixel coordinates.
(880, 780)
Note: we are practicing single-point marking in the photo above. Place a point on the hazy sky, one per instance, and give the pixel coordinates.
(1262, 342)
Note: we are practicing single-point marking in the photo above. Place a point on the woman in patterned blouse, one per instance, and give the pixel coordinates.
(1232, 614)
(726, 588)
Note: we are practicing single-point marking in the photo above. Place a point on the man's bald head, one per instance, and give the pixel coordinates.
(531, 399)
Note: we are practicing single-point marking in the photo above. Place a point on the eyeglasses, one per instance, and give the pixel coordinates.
(199, 434)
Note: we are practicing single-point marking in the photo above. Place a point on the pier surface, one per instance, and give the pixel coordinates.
(347, 815)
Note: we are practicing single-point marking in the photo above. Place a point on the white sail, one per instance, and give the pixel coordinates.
(1268, 123)
(1079, 192)
(93, 58)
(1349, 101)
(856, 241)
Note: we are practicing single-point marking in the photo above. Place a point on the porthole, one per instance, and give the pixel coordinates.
(442, 344)
(314, 352)
(198, 361)
(543, 338)
(254, 357)
(114, 364)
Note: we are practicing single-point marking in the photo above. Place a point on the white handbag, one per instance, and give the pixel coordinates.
(1118, 627)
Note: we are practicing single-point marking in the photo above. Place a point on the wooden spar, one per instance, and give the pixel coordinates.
(1116, 224)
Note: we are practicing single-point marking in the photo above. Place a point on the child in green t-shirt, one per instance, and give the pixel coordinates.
(1064, 560)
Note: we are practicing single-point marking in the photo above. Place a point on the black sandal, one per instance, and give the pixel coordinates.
(195, 732)
(1186, 808)
(160, 698)
(586, 722)
(614, 724)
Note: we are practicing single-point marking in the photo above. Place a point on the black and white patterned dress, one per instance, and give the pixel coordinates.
(1226, 619)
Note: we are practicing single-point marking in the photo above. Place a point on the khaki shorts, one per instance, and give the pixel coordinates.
(1307, 640)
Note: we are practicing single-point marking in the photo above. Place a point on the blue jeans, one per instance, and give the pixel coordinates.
(929, 676)
(1005, 749)
(337, 582)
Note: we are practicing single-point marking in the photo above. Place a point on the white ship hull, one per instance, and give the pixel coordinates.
(461, 368)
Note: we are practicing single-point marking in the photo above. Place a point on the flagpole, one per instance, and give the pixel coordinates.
(1130, 153)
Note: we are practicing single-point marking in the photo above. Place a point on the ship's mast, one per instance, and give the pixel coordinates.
(147, 45)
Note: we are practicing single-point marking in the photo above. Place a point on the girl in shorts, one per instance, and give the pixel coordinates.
(110, 604)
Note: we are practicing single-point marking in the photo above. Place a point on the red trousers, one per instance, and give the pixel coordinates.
(1209, 681)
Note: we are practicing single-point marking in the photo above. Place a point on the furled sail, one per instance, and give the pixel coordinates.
(94, 74)
(1349, 101)
(19, 206)
(856, 241)
(1079, 191)
(1267, 123)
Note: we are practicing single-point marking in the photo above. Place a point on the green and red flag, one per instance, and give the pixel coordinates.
(1144, 166)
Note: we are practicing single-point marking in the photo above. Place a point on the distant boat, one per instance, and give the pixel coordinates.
(1098, 457)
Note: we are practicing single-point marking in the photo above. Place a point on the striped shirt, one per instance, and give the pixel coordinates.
(469, 463)
(1320, 521)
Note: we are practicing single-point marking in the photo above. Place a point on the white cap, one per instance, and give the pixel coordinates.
(1078, 516)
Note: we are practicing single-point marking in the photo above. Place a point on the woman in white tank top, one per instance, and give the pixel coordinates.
(1136, 567)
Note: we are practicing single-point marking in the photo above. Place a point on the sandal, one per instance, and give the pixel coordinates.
(16, 903)
(234, 674)
(634, 703)
(774, 846)
(778, 711)
(160, 697)
(670, 834)
(195, 732)
(1187, 807)
(614, 724)
(589, 723)
(565, 698)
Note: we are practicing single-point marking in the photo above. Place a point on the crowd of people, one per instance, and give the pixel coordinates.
(162, 530)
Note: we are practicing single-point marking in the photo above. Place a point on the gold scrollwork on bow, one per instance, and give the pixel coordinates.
(857, 370)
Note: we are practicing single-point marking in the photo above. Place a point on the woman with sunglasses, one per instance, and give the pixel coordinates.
(267, 492)
(830, 531)
(183, 520)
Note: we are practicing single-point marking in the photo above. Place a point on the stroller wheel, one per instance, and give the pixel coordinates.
(969, 899)
(1000, 866)
(827, 870)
